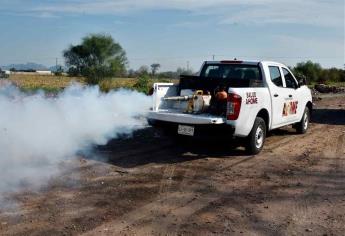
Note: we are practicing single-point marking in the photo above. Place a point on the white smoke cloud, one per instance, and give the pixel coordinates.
(36, 132)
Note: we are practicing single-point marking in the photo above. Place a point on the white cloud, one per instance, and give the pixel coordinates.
(121, 6)
(307, 12)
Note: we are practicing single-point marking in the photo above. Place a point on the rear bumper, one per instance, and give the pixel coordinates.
(199, 130)
(182, 118)
(203, 126)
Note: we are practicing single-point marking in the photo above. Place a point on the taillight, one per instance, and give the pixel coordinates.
(233, 106)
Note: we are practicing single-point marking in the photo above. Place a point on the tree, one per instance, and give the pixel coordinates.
(312, 71)
(97, 57)
(131, 73)
(143, 70)
(315, 73)
(154, 68)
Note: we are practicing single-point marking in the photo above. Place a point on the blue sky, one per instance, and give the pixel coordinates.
(176, 32)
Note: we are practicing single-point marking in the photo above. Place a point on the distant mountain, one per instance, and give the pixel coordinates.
(27, 66)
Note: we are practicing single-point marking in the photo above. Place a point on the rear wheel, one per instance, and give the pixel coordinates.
(257, 136)
(302, 126)
(151, 122)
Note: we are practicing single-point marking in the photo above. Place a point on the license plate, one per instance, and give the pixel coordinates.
(185, 130)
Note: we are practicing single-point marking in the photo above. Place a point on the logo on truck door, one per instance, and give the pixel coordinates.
(290, 108)
(251, 98)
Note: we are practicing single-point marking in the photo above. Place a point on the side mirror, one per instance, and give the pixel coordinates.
(301, 81)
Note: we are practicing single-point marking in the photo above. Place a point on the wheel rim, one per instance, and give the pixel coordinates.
(305, 121)
(259, 137)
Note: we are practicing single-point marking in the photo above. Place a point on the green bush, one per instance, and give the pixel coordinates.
(105, 86)
(143, 84)
(316, 74)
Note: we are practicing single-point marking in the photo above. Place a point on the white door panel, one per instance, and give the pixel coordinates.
(279, 96)
(279, 100)
(293, 104)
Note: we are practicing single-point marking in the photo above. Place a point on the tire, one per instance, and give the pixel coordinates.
(256, 138)
(151, 122)
(303, 125)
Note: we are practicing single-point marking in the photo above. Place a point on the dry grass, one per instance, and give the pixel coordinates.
(51, 83)
(116, 83)
(130, 83)
(44, 82)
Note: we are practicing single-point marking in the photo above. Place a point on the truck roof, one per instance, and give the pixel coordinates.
(246, 62)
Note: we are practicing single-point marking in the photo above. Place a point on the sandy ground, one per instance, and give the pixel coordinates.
(149, 185)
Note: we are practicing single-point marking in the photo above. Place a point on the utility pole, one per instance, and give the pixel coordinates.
(213, 56)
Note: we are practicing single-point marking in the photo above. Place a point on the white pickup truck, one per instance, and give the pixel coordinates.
(243, 98)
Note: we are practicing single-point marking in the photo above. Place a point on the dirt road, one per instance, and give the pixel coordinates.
(148, 185)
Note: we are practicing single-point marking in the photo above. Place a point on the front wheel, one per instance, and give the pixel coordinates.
(257, 136)
(302, 126)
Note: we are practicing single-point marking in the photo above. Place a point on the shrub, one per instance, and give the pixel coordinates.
(143, 84)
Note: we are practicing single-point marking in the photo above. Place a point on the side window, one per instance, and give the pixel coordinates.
(289, 80)
(276, 76)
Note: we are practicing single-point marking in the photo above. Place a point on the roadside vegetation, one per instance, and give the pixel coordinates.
(314, 73)
(48, 83)
(100, 60)
(97, 58)
(54, 84)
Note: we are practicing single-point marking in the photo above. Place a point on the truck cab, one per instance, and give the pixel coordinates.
(249, 98)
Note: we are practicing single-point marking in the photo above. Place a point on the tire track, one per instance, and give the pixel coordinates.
(303, 210)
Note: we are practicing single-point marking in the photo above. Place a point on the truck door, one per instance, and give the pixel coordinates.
(292, 103)
(279, 94)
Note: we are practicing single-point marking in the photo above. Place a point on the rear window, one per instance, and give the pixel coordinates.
(231, 71)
